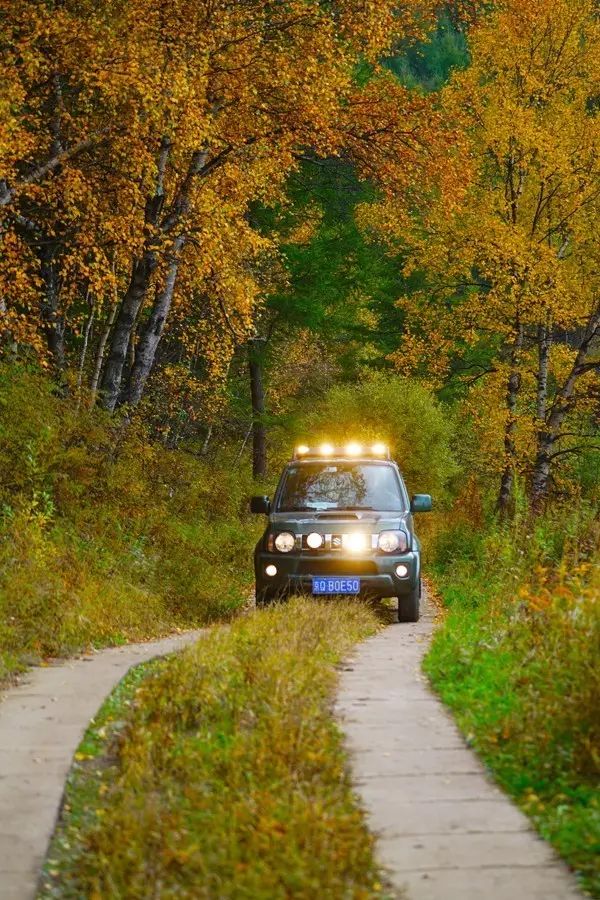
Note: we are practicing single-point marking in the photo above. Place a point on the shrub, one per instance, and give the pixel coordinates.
(104, 535)
(402, 413)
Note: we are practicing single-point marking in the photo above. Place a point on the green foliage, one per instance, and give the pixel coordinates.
(337, 278)
(429, 65)
(401, 412)
(224, 774)
(105, 536)
(516, 660)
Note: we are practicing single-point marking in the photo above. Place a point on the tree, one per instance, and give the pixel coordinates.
(512, 279)
(139, 135)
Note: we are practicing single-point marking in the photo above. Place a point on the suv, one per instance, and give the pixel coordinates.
(341, 522)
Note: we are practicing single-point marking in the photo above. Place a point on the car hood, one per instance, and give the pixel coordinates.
(339, 522)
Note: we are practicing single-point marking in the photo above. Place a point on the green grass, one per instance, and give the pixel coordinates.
(222, 773)
(521, 676)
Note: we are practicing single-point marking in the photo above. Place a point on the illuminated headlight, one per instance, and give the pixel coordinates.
(389, 541)
(355, 542)
(401, 571)
(285, 542)
(271, 571)
(314, 540)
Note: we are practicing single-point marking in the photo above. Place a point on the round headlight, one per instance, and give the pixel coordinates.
(391, 540)
(285, 542)
(314, 540)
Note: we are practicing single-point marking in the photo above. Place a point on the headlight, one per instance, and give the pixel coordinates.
(355, 542)
(392, 540)
(285, 542)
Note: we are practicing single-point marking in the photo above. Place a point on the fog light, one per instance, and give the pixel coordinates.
(271, 570)
(401, 571)
(314, 540)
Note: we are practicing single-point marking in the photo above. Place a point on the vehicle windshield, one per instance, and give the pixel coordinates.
(341, 485)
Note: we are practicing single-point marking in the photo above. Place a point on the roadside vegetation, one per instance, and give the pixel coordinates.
(105, 535)
(516, 659)
(221, 772)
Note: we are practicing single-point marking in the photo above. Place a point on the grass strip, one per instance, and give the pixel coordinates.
(222, 773)
(523, 685)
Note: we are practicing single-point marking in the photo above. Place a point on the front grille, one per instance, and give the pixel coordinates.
(317, 566)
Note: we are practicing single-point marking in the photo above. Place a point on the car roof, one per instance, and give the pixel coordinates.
(370, 460)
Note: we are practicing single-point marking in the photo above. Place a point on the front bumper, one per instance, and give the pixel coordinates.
(377, 574)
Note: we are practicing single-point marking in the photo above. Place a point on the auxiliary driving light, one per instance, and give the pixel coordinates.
(353, 449)
(326, 450)
(354, 542)
(271, 571)
(314, 540)
(379, 449)
(401, 571)
(302, 450)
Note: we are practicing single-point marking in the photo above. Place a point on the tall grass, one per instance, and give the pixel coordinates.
(227, 777)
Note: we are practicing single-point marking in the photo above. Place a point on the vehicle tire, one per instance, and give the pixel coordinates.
(409, 605)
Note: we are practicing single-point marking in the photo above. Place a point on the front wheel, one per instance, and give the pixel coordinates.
(409, 605)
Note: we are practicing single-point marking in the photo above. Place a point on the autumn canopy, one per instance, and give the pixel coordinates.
(141, 144)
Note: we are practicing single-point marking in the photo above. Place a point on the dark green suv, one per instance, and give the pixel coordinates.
(341, 523)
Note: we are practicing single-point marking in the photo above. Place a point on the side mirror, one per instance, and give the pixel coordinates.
(260, 505)
(421, 503)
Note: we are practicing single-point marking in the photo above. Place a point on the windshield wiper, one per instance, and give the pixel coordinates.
(285, 509)
(343, 508)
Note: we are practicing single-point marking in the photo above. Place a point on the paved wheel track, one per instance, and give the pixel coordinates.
(42, 722)
(446, 831)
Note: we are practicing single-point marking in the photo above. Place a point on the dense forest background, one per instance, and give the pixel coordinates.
(227, 226)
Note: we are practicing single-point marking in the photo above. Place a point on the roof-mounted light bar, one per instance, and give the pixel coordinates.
(352, 450)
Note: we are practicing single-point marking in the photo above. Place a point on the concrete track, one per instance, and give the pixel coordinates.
(42, 722)
(446, 832)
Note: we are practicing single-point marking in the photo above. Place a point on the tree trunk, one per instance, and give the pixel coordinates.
(128, 312)
(54, 325)
(100, 353)
(148, 344)
(141, 276)
(541, 470)
(554, 420)
(86, 339)
(544, 345)
(259, 436)
(540, 478)
(512, 393)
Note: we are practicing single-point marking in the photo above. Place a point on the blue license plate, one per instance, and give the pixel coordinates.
(338, 585)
